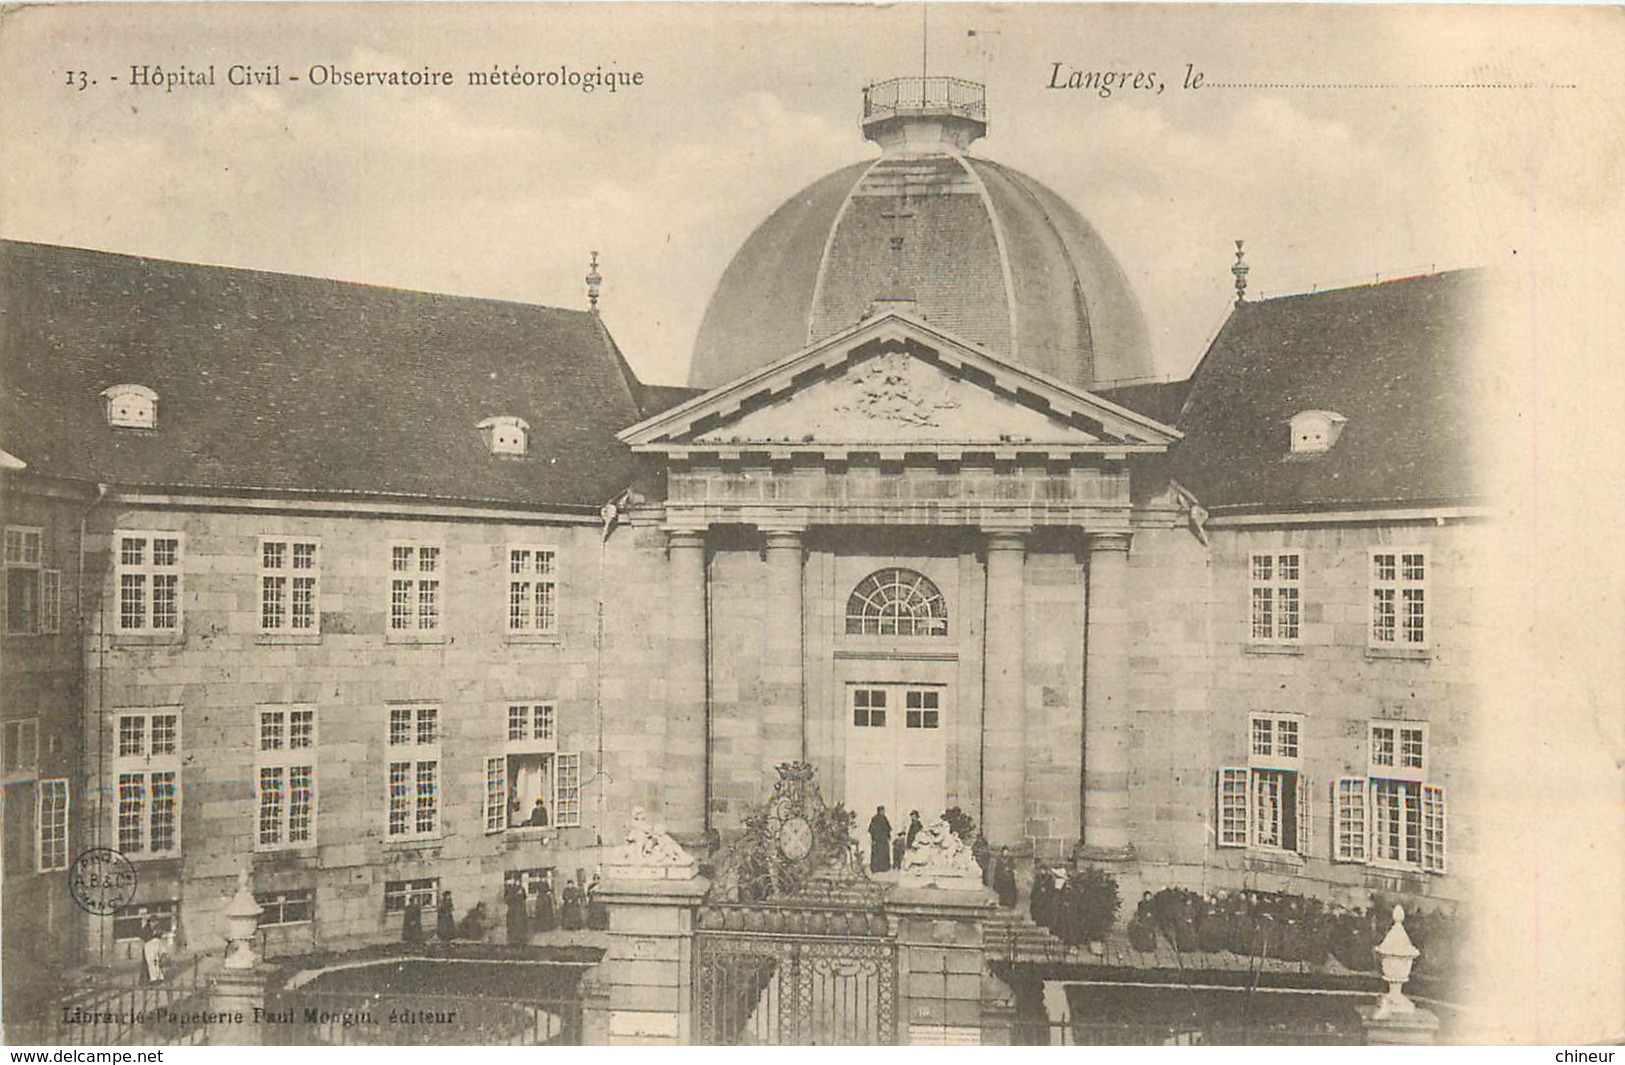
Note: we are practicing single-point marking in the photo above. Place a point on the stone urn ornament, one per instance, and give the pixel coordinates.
(242, 924)
(1396, 953)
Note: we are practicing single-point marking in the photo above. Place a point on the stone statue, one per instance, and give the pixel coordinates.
(941, 857)
(648, 853)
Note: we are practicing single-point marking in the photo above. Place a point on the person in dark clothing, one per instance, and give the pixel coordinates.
(984, 858)
(597, 911)
(899, 847)
(914, 826)
(472, 926)
(513, 897)
(1004, 879)
(879, 841)
(1041, 901)
(574, 919)
(445, 921)
(538, 816)
(546, 916)
(412, 923)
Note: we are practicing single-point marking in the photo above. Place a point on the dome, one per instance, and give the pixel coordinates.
(981, 250)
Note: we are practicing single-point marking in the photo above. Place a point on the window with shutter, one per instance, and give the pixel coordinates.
(1405, 814)
(567, 791)
(1349, 819)
(1272, 805)
(1232, 806)
(52, 821)
(1305, 815)
(1433, 835)
(496, 793)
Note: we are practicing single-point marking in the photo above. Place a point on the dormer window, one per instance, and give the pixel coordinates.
(1315, 431)
(506, 435)
(131, 407)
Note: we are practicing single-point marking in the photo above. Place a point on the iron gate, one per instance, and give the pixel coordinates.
(791, 977)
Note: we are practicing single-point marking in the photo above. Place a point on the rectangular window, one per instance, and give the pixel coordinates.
(414, 588)
(496, 793)
(530, 772)
(869, 707)
(287, 777)
(414, 772)
(1399, 598)
(531, 881)
(530, 723)
(147, 769)
(567, 791)
(286, 907)
(289, 572)
(31, 590)
(1392, 816)
(1399, 749)
(1396, 821)
(19, 747)
(148, 574)
(1266, 804)
(1276, 598)
(130, 922)
(52, 819)
(533, 590)
(1348, 809)
(398, 894)
(921, 709)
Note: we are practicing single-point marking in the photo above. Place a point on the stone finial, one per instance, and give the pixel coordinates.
(1396, 953)
(1240, 271)
(940, 857)
(594, 281)
(242, 919)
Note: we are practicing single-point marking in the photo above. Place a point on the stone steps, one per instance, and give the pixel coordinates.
(1012, 936)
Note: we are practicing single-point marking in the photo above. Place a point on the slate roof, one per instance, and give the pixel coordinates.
(277, 382)
(1159, 400)
(988, 254)
(1397, 359)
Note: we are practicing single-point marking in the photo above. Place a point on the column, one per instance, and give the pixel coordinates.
(686, 785)
(1004, 728)
(781, 725)
(1106, 714)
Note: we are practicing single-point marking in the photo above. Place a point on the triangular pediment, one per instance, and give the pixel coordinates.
(892, 383)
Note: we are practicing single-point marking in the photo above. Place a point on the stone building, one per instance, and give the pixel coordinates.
(389, 593)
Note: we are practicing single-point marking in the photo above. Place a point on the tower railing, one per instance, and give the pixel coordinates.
(924, 96)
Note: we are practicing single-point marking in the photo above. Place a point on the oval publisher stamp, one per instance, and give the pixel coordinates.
(103, 881)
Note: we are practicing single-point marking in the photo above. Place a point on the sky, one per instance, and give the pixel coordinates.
(503, 191)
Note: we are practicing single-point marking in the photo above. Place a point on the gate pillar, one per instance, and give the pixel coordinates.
(652, 889)
(941, 960)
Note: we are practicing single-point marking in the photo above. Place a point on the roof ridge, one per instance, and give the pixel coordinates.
(262, 272)
(1378, 281)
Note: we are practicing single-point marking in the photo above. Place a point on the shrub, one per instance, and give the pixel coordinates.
(960, 823)
(1090, 903)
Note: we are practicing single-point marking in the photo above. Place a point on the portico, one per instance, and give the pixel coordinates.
(904, 558)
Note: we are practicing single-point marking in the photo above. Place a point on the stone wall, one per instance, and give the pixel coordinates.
(1196, 676)
(41, 680)
(220, 671)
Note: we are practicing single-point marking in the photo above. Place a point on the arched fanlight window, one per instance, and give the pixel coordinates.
(896, 602)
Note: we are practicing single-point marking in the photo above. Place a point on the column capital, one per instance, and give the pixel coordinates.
(685, 537)
(782, 536)
(1109, 541)
(1004, 539)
